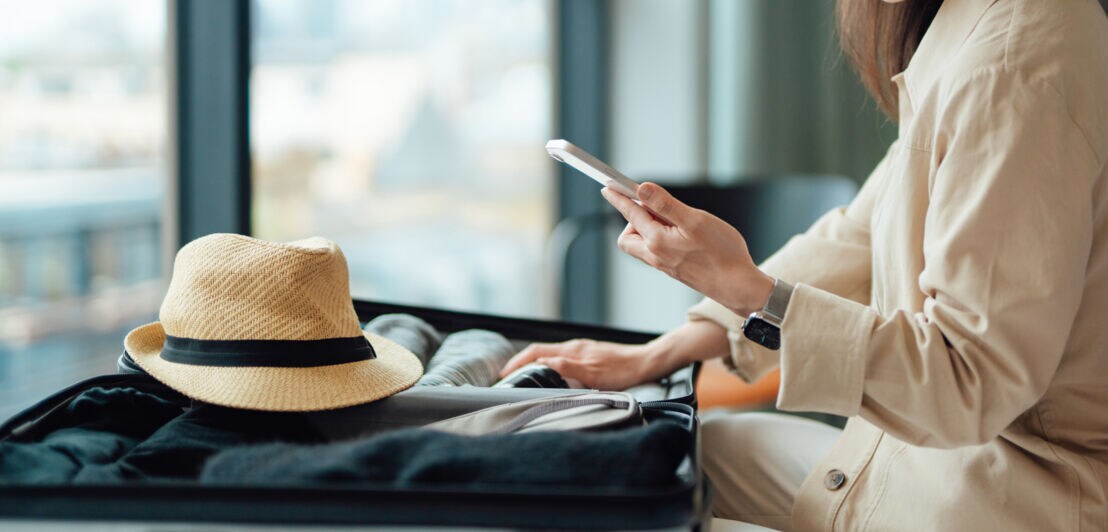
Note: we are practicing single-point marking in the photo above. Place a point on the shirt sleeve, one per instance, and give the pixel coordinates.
(833, 255)
(1006, 241)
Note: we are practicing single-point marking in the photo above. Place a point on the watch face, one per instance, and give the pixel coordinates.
(763, 332)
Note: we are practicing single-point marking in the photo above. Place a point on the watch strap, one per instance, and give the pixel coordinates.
(778, 302)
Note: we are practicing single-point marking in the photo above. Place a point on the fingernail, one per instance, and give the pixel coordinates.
(645, 192)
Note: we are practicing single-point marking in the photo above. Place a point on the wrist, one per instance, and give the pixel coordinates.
(658, 358)
(755, 294)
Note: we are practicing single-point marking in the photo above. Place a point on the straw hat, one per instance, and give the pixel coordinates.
(264, 326)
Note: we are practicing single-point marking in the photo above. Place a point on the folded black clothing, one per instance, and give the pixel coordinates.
(113, 435)
(640, 457)
(178, 449)
(95, 429)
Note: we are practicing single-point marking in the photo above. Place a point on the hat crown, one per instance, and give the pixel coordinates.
(233, 287)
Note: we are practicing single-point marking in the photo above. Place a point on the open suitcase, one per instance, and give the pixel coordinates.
(684, 505)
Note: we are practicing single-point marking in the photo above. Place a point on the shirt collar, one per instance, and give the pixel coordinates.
(953, 24)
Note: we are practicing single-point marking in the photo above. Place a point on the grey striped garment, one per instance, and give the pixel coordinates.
(472, 357)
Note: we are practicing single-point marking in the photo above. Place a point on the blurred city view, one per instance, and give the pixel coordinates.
(82, 153)
(412, 134)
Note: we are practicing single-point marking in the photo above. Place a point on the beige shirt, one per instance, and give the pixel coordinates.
(957, 310)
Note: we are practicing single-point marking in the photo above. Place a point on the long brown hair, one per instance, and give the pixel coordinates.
(880, 38)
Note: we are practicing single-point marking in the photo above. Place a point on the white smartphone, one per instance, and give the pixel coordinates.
(564, 151)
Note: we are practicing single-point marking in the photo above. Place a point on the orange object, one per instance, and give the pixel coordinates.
(717, 386)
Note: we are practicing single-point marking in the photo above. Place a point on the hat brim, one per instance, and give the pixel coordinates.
(280, 389)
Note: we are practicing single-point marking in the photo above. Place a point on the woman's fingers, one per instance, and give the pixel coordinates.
(633, 243)
(644, 222)
(528, 355)
(568, 368)
(550, 355)
(662, 204)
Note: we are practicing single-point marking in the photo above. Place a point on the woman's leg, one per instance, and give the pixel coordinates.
(757, 461)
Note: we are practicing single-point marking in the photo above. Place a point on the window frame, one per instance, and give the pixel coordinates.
(209, 51)
(583, 29)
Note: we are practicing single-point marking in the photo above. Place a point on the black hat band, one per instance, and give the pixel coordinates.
(270, 353)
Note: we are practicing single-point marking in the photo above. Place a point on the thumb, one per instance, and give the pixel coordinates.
(661, 202)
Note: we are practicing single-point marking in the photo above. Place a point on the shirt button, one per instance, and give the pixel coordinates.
(834, 479)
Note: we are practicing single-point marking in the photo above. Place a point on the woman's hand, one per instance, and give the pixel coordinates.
(609, 366)
(599, 365)
(691, 246)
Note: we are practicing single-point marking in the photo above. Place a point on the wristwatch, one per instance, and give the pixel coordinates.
(764, 326)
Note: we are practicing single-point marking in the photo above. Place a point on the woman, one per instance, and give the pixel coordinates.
(956, 311)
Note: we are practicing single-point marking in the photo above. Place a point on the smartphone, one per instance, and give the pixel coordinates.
(564, 151)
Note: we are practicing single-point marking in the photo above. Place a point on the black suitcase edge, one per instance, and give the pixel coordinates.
(521, 328)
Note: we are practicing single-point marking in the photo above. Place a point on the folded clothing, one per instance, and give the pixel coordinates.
(472, 357)
(96, 429)
(468, 357)
(410, 332)
(112, 435)
(641, 457)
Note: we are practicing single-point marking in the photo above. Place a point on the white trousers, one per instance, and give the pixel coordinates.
(757, 461)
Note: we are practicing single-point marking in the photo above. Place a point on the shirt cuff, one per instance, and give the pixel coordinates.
(747, 359)
(824, 342)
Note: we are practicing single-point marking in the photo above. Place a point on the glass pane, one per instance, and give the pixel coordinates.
(82, 148)
(411, 132)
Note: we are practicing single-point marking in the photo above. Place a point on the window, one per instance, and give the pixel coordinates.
(82, 149)
(411, 132)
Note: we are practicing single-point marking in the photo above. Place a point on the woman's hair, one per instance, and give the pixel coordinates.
(880, 38)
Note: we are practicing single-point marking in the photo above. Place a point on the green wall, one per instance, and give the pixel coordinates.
(782, 99)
